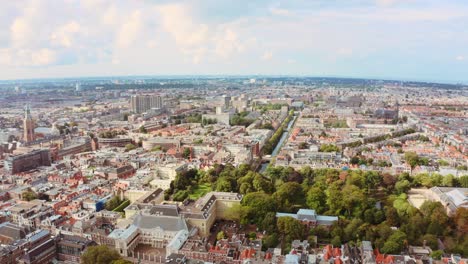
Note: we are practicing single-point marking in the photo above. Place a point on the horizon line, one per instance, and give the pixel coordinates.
(452, 82)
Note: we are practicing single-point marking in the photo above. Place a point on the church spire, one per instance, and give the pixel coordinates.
(29, 125)
(27, 112)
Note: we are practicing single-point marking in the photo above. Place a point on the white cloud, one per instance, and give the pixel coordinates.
(267, 55)
(196, 39)
(130, 29)
(64, 35)
(170, 36)
(228, 43)
(344, 52)
(387, 2)
(279, 11)
(21, 32)
(27, 57)
(460, 58)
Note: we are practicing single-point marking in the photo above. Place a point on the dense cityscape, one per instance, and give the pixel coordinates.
(233, 169)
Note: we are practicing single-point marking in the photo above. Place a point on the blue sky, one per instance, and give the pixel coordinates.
(407, 39)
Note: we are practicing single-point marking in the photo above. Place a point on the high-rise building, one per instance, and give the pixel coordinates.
(142, 103)
(28, 123)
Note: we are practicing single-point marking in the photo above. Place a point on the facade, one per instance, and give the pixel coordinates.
(310, 218)
(79, 146)
(28, 161)
(142, 103)
(29, 214)
(207, 209)
(155, 226)
(69, 248)
(28, 124)
(114, 142)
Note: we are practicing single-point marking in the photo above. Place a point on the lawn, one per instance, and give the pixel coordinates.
(200, 190)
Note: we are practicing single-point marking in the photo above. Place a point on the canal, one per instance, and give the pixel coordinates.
(279, 145)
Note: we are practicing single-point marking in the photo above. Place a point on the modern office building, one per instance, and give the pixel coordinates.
(142, 103)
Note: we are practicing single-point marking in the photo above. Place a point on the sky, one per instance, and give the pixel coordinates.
(398, 39)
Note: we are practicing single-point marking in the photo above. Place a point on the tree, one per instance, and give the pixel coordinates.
(270, 241)
(290, 227)
(354, 160)
(336, 241)
(437, 254)
(329, 148)
(29, 195)
(429, 240)
(129, 147)
(449, 180)
(288, 195)
(223, 184)
(234, 212)
(100, 255)
(186, 153)
(220, 235)
(258, 206)
(317, 199)
(112, 203)
(461, 220)
(463, 181)
(389, 180)
(303, 145)
(394, 243)
(412, 159)
(143, 130)
(443, 163)
(180, 195)
(269, 222)
(402, 186)
(121, 261)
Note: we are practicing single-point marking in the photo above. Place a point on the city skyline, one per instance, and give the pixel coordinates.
(388, 39)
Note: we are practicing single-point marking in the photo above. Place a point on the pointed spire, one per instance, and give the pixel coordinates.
(27, 112)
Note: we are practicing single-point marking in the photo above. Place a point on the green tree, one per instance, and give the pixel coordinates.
(180, 195)
(354, 160)
(443, 163)
(270, 241)
(412, 159)
(29, 195)
(461, 220)
(329, 148)
(288, 195)
(186, 153)
(437, 254)
(317, 199)
(129, 147)
(112, 203)
(100, 255)
(143, 130)
(463, 181)
(223, 184)
(220, 235)
(290, 227)
(402, 186)
(336, 241)
(449, 180)
(395, 243)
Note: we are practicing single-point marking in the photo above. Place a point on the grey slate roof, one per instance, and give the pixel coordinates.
(166, 223)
